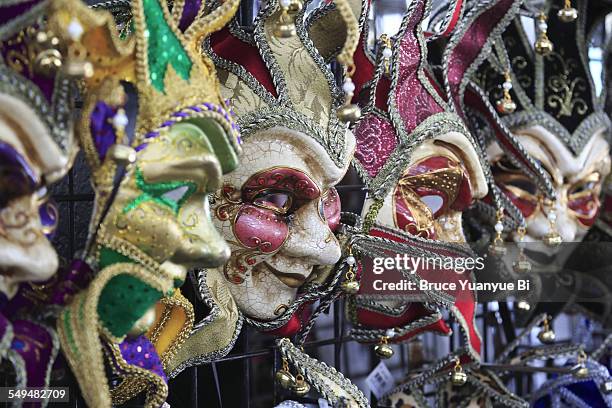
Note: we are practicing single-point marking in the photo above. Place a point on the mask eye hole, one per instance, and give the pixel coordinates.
(177, 195)
(584, 187)
(277, 201)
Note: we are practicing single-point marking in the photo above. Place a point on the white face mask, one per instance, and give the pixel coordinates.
(277, 211)
(25, 252)
(577, 181)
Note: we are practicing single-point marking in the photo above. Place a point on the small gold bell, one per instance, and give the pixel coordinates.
(546, 336)
(582, 372)
(552, 239)
(383, 349)
(543, 45)
(301, 387)
(522, 266)
(284, 29)
(567, 14)
(294, 8)
(48, 62)
(458, 377)
(497, 248)
(505, 106)
(285, 379)
(349, 113)
(350, 287)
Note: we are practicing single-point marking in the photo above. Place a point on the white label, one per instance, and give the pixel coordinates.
(380, 380)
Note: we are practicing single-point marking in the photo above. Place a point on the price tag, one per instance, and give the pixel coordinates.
(380, 380)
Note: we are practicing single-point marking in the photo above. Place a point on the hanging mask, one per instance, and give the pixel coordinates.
(151, 221)
(279, 209)
(558, 121)
(422, 169)
(36, 149)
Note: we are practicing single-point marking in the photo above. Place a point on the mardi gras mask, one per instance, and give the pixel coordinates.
(151, 222)
(35, 142)
(558, 120)
(279, 209)
(423, 169)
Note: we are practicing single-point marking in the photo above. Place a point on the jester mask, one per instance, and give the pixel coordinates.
(152, 178)
(279, 210)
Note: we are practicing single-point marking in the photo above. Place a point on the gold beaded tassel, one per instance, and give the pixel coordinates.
(350, 285)
(521, 265)
(497, 247)
(349, 112)
(543, 45)
(567, 14)
(458, 376)
(386, 52)
(506, 105)
(546, 335)
(285, 26)
(552, 238)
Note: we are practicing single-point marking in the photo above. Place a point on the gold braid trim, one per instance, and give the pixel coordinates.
(78, 327)
(345, 57)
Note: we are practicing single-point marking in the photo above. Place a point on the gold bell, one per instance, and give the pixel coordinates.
(552, 239)
(383, 349)
(567, 14)
(547, 335)
(285, 379)
(497, 248)
(505, 106)
(458, 377)
(48, 62)
(522, 266)
(350, 287)
(583, 371)
(301, 387)
(285, 25)
(284, 29)
(349, 113)
(543, 45)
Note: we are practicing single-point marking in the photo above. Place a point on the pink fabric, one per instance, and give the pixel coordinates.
(376, 140)
(413, 100)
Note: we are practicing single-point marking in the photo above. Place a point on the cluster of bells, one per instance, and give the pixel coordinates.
(284, 27)
(297, 384)
(522, 265)
(51, 55)
(543, 46)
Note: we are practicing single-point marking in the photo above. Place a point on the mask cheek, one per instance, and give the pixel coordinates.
(151, 228)
(260, 229)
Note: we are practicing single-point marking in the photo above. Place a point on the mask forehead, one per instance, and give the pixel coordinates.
(559, 160)
(282, 147)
